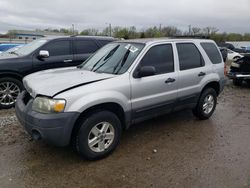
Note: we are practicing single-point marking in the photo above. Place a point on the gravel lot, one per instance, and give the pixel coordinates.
(175, 150)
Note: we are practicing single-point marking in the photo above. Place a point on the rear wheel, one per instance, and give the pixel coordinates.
(9, 90)
(97, 135)
(206, 104)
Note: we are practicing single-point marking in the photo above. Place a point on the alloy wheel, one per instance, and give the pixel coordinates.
(8, 93)
(101, 137)
(208, 104)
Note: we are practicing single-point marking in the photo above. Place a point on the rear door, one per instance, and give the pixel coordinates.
(83, 49)
(60, 55)
(192, 70)
(155, 94)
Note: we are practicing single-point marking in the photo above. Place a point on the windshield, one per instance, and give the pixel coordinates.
(27, 49)
(114, 58)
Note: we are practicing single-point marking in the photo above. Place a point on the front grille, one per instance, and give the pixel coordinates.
(26, 98)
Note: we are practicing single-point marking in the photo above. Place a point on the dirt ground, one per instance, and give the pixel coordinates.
(176, 150)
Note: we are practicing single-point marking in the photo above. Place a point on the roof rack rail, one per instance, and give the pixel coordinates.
(192, 36)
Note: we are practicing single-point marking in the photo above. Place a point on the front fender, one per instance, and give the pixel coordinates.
(93, 99)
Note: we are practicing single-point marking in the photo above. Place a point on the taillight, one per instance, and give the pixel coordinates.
(225, 69)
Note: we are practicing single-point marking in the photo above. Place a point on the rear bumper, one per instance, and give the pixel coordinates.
(236, 75)
(55, 129)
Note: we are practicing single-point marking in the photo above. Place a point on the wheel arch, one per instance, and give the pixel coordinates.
(214, 84)
(109, 106)
(11, 75)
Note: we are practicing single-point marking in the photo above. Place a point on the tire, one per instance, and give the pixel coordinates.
(90, 129)
(9, 90)
(237, 82)
(208, 96)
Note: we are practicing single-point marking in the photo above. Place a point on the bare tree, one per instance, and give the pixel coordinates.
(196, 30)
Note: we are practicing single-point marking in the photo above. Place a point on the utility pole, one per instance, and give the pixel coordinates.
(189, 28)
(73, 29)
(160, 29)
(110, 30)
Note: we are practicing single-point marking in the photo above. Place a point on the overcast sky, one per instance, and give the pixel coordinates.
(226, 15)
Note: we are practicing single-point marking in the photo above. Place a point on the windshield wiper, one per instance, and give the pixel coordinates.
(14, 53)
(121, 63)
(110, 54)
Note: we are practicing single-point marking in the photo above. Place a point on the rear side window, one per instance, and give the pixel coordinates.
(189, 56)
(58, 48)
(161, 57)
(85, 46)
(212, 52)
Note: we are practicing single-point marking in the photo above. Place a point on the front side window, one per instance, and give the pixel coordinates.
(189, 56)
(160, 57)
(58, 48)
(212, 52)
(113, 58)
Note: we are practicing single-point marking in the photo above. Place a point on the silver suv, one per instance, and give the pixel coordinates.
(121, 84)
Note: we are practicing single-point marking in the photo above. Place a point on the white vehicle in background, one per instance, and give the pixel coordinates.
(231, 55)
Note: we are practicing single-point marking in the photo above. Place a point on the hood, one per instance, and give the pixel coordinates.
(4, 55)
(54, 81)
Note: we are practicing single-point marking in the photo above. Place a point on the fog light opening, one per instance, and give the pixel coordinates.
(36, 135)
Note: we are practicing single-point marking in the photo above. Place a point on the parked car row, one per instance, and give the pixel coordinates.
(4, 47)
(42, 54)
(240, 70)
(124, 82)
(240, 67)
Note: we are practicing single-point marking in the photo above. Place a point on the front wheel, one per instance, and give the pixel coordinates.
(9, 90)
(98, 135)
(206, 104)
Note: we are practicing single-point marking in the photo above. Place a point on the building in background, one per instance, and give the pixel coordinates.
(25, 36)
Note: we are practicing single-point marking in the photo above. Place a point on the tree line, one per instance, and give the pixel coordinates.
(154, 32)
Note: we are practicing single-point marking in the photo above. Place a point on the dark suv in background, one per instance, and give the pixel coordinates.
(45, 53)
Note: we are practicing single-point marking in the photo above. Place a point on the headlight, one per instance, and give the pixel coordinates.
(47, 105)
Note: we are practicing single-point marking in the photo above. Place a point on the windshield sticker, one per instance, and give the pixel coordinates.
(131, 48)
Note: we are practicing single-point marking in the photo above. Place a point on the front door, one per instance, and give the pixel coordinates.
(156, 94)
(60, 55)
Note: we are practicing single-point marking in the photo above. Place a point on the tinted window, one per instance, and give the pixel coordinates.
(57, 48)
(85, 46)
(189, 56)
(212, 52)
(161, 57)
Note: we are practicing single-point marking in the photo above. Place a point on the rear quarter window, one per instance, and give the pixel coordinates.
(212, 52)
(85, 46)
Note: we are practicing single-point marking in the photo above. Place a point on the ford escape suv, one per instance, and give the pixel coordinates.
(41, 54)
(121, 84)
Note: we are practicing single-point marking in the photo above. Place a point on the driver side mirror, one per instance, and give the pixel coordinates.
(43, 54)
(146, 71)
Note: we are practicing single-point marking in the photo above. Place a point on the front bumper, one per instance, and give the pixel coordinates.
(55, 129)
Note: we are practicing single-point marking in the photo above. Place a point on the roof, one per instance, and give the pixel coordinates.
(156, 40)
(81, 36)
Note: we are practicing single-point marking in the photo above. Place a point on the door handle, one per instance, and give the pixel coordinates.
(170, 80)
(201, 74)
(67, 60)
